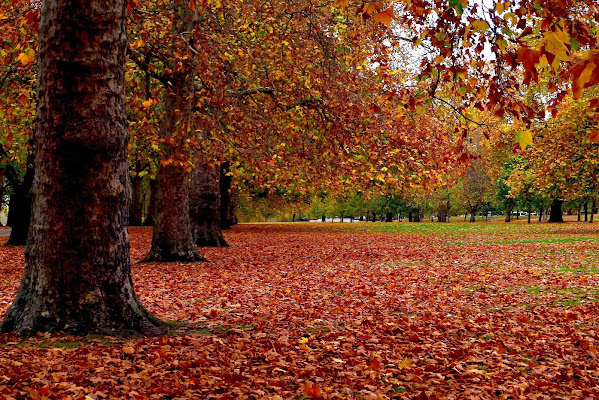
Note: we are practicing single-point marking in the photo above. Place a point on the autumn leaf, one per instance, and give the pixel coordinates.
(373, 7)
(26, 57)
(342, 3)
(524, 139)
(385, 16)
(594, 136)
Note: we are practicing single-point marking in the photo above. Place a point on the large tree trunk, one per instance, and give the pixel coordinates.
(556, 211)
(388, 217)
(172, 239)
(204, 207)
(77, 270)
(19, 211)
(136, 202)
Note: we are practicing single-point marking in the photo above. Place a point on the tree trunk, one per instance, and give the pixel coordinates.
(592, 212)
(442, 214)
(529, 212)
(556, 211)
(152, 203)
(323, 218)
(388, 217)
(172, 239)
(541, 211)
(578, 212)
(410, 216)
(586, 211)
(508, 213)
(136, 202)
(416, 217)
(19, 211)
(473, 214)
(77, 270)
(205, 207)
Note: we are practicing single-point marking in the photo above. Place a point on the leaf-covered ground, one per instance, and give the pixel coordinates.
(341, 311)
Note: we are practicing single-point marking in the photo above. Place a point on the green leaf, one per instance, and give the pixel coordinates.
(574, 44)
(457, 4)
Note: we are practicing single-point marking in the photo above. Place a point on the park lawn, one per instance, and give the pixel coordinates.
(343, 311)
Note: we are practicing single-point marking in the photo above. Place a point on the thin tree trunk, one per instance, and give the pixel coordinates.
(136, 202)
(19, 211)
(323, 218)
(172, 239)
(541, 214)
(592, 211)
(227, 206)
(586, 210)
(556, 211)
(508, 213)
(205, 207)
(529, 212)
(77, 270)
(152, 195)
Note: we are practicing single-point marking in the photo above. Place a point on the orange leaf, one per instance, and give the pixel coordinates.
(371, 8)
(594, 136)
(342, 3)
(385, 17)
(310, 389)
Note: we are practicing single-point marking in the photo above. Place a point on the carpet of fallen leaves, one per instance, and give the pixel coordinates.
(341, 311)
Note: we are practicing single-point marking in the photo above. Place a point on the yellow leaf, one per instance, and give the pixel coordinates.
(406, 363)
(480, 25)
(147, 104)
(524, 139)
(500, 8)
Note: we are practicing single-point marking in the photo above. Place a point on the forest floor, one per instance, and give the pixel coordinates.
(341, 311)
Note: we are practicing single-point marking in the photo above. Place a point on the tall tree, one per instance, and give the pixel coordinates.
(77, 269)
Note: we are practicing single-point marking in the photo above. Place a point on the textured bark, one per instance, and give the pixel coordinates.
(556, 211)
(172, 239)
(136, 202)
(77, 270)
(205, 207)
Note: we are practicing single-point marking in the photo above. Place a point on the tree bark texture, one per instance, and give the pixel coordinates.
(205, 207)
(136, 202)
(556, 211)
(77, 270)
(172, 239)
